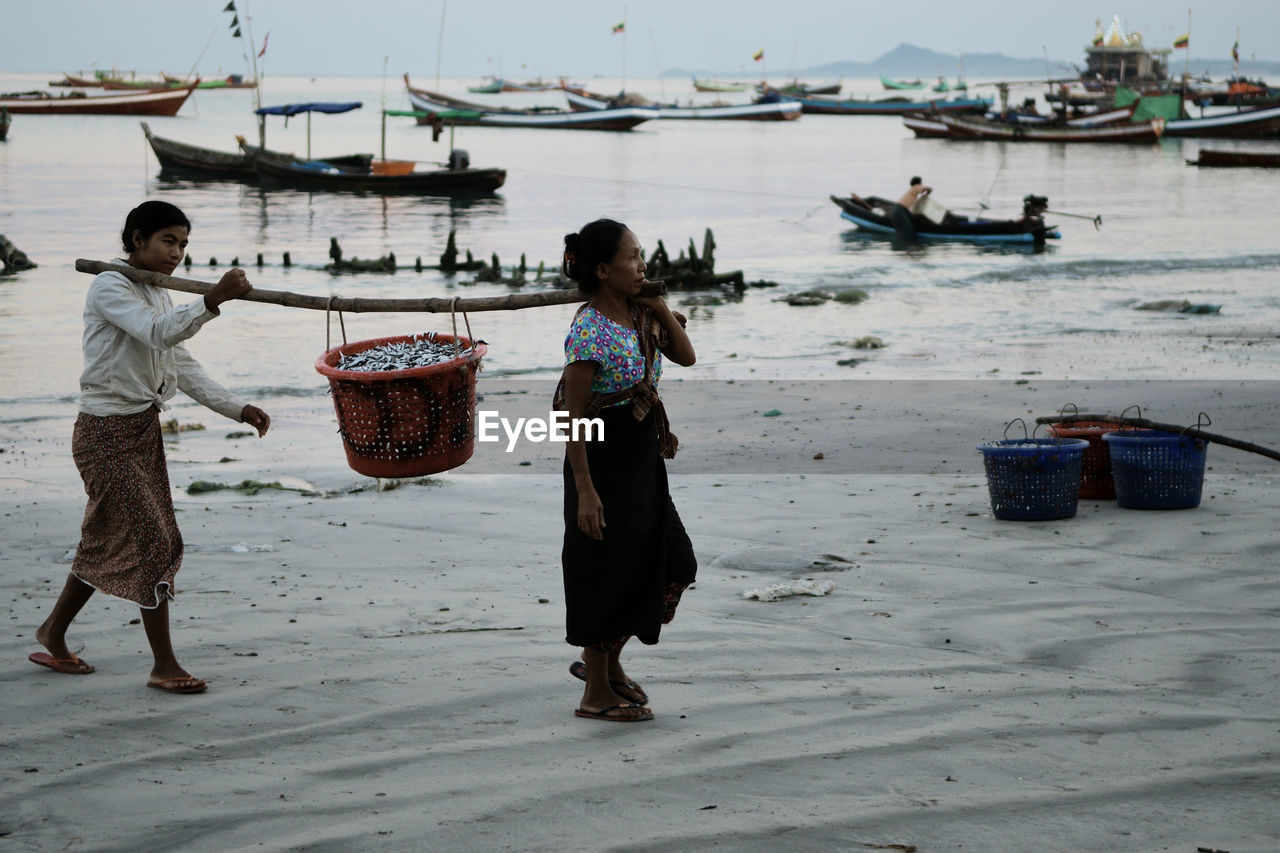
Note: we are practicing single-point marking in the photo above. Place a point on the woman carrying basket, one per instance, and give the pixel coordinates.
(626, 556)
(134, 361)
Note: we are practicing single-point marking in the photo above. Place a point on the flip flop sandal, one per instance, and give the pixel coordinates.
(609, 715)
(175, 685)
(71, 666)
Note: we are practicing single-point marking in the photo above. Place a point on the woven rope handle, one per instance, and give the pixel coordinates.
(453, 316)
(341, 324)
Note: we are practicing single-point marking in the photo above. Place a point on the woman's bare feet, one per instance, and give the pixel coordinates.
(59, 657)
(175, 679)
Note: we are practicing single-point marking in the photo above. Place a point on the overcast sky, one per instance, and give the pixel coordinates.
(522, 38)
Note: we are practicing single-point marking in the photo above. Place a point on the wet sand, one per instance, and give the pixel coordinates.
(387, 668)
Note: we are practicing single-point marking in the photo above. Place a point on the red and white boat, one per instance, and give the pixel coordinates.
(152, 102)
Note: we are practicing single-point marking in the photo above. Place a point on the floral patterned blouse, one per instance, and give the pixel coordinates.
(615, 348)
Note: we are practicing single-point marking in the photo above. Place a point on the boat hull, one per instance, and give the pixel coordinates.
(774, 111)
(718, 86)
(1256, 159)
(284, 169)
(467, 113)
(900, 85)
(831, 106)
(924, 127)
(1264, 121)
(966, 127)
(199, 162)
(1007, 231)
(164, 102)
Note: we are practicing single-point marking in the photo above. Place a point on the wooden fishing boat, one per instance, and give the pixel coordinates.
(974, 127)
(1245, 93)
(530, 86)
(488, 86)
(231, 81)
(925, 126)
(467, 113)
(900, 84)
(192, 161)
(77, 82)
(1262, 121)
(878, 216)
(285, 169)
(719, 86)
(931, 126)
(1260, 159)
(795, 87)
(119, 84)
(778, 109)
(165, 102)
(891, 106)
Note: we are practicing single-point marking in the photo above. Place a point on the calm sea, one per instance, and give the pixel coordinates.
(1169, 231)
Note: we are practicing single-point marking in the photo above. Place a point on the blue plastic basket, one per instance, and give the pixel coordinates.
(1156, 470)
(1033, 479)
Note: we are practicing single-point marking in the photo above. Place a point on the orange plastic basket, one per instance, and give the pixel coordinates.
(1096, 482)
(405, 423)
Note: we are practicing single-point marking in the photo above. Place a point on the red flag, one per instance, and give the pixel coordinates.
(264, 45)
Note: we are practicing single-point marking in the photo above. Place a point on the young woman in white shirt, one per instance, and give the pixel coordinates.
(134, 361)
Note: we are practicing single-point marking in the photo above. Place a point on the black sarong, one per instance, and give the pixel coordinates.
(626, 584)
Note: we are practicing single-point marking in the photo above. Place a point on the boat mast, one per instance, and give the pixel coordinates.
(624, 50)
(662, 89)
(257, 77)
(444, 5)
(385, 60)
(1186, 60)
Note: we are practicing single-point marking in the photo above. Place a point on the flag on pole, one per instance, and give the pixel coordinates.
(236, 34)
(758, 55)
(235, 21)
(264, 44)
(230, 7)
(620, 27)
(1235, 51)
(1182, 41)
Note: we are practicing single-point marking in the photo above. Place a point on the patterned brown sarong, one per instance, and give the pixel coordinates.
(130, 546)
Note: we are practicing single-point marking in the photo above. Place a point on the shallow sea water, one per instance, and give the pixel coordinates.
(1169, 231)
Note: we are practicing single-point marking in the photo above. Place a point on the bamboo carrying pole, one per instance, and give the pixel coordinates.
(356, 305)
(1146, 424)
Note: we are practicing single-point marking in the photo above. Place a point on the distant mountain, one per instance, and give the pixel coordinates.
(910, 61)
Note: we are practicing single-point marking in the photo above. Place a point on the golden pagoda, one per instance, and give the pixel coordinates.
(1122, 58)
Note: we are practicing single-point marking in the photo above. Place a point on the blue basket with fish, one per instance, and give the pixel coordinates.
(1153, 469)
(1033, 479)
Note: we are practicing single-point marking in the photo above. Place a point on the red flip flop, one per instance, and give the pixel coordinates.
(71, 666)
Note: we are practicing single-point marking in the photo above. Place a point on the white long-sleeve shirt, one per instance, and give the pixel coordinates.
(133, 353)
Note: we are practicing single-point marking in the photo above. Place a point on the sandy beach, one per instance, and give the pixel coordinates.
(387, 667)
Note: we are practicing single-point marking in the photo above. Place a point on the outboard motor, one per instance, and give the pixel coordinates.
(1034, 206)
(459, 159)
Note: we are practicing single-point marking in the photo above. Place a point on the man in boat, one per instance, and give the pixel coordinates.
(900, 215)
(914, 192)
